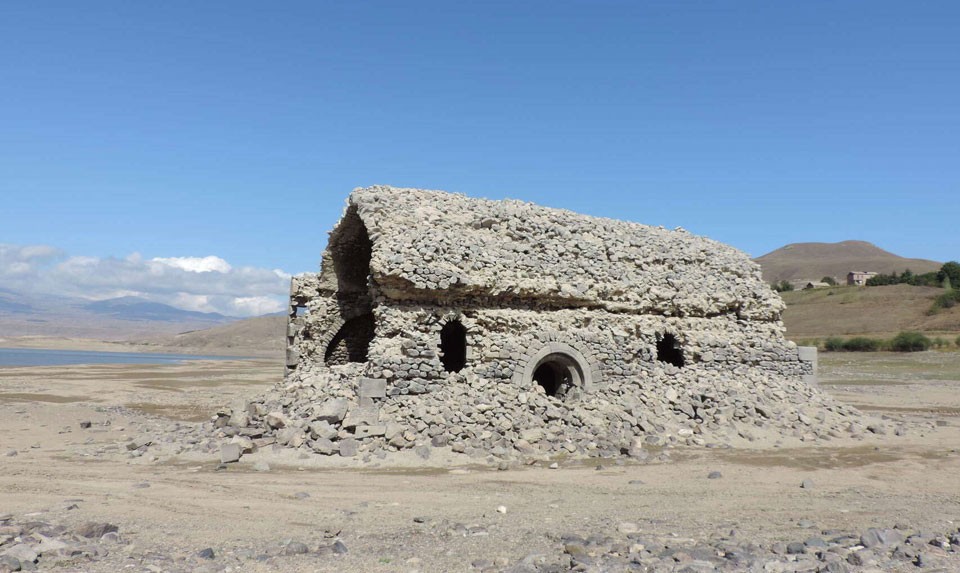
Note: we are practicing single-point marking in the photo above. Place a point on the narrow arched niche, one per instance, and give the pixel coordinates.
(558, 373)
(669, 350)
(453, 346)
(350, 251)
(352, 341)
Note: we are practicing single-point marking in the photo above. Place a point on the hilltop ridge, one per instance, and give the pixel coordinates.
(812, 261)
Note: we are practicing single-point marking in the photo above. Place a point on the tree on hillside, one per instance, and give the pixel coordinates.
(949, 273)
(926, 279)
(883, 280)
(829, 280)
(782, 286)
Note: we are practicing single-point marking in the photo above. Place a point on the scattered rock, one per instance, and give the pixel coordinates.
(9, 563)
(206, 553)
(230, 453)
(23, 553)
(349, 447)
(95, 530)
(295, 548)
(796, 548)
(714, 475)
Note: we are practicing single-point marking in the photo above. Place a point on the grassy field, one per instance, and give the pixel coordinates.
(879, 312)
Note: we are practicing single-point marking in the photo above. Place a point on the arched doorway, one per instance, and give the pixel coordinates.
(453, 346)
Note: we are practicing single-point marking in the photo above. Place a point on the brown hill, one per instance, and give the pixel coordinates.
(873, 311)
(812, 261)
(259, 336)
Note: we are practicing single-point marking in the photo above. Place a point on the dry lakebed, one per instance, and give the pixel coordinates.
(81, 488)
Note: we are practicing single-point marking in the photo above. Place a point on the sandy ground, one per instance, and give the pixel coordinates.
(160, 346)
(440, 519)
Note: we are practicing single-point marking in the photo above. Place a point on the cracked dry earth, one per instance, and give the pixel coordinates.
(73, 497)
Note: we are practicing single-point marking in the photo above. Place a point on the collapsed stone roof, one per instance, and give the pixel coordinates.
(433, 245)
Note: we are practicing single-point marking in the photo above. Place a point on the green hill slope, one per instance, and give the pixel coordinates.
(874, 311)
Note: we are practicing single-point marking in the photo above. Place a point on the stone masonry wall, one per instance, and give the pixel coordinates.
(583, 336)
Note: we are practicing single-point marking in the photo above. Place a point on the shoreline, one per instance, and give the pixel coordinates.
(128, 346)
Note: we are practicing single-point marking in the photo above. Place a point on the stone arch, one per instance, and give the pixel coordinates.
(351, 341)
(453, 346)
(350, 250)
(562, 363)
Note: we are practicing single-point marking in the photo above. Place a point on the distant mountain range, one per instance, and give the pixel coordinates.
(134, 308)
(812, 261)
(24, 314)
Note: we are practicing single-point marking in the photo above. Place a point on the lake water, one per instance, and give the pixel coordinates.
(47, 357)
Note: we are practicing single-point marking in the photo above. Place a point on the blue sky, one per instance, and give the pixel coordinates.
(236, 129)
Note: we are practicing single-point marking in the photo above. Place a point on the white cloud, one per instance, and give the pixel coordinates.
(196, 264)
(205, 284)
(40, 252)
(256, 305)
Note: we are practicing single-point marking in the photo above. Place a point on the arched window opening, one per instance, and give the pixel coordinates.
(350, 249)
(669, 350)
(351, 342)
(557, 374)
(453, 346)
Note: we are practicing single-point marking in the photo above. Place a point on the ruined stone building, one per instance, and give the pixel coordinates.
(504, 326)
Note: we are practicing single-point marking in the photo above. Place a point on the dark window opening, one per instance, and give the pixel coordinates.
(453, 346)
(351, 249)
(557, 374)
(351, 342)
(669, 350)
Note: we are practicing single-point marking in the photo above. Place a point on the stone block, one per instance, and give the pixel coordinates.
(362, 416)
(276, 420)
(332, 411)
(807, 353)
(323, 446)
(293, 357)
(230, 453)
(370, 431)
(322, 429)
(349, 447)
(372, 388)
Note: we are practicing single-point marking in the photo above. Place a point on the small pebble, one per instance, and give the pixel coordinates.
(206, 553)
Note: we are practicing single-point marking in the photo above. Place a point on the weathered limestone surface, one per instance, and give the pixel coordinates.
(505, 328)
(430, 245)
